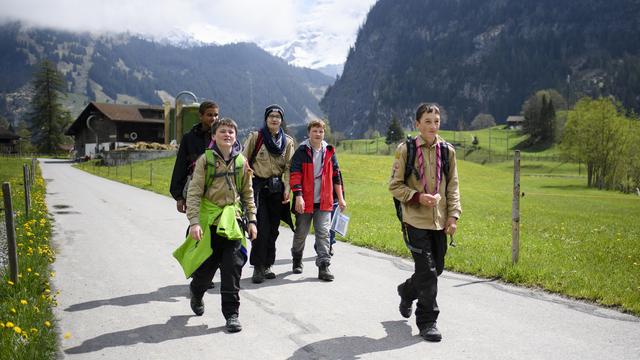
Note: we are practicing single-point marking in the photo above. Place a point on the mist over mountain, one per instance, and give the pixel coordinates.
(488, 56)
(125, 68)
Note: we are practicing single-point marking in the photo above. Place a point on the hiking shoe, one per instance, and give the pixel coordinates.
(258, 274)
(297, 266)
(405, 305)
(233, 324)
(197, 305)
(268, 273)
(431, 333)
(324, 273)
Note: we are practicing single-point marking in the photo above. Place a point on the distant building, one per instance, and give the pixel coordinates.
(8, 141)
(114, 125)
(515, 122)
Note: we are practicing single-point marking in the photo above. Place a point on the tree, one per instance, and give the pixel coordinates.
(395, 133)
(598, 134)
(4, 124)
(47, 118)
(482, 121)
(540, 115)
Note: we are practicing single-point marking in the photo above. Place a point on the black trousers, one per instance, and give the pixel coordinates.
(423, 284)
(263, 248)
(228, 257)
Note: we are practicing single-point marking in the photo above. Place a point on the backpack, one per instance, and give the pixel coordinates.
(256, 148)
(409, 169)
(211, 170)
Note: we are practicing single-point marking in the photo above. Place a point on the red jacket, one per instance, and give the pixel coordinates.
(301, 177)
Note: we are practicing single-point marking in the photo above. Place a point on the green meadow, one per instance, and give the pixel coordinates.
(575, 241)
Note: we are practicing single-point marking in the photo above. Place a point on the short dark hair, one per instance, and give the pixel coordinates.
(426, 108)
(207, 105)
(224, 122)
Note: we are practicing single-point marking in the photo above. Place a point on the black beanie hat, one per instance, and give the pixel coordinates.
(272, 108)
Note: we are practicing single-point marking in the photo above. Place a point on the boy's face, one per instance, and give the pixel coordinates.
(316, 134)
(210, 116)
(225, 136)
(428, 125)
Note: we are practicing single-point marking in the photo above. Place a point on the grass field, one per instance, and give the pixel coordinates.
(495, 144)
(27, 325)
(575, 241)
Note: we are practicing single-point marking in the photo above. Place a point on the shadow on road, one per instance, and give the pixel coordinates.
(174, 328)
(351, 347)
(163, 294)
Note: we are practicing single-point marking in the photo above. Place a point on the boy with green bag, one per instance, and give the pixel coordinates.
(219, 197)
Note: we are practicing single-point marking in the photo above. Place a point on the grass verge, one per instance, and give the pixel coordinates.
(27, 325)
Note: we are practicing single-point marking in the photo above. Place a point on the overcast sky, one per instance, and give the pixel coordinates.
(221, 21)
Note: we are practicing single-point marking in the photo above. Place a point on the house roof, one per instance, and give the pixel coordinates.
(118, 112)
(515, 119)
(6, 134)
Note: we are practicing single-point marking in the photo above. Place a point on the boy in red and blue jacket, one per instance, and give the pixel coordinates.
(315, 181)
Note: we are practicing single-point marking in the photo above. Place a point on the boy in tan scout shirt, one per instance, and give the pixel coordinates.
(430, 209)
(269, 152)
(218, 203)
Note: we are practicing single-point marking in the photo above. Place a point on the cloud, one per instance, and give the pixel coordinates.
(219, 21)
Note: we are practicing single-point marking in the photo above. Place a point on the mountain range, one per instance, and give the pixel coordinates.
(123, 68)
(488, 56)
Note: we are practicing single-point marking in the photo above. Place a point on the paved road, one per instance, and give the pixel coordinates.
(124, 297)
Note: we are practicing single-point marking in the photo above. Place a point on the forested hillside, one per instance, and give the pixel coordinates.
(488, 56)
(121, 68)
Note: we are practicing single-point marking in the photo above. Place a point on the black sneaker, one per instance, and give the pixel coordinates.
(431, 333)
(233, 324)
(268, 273)
(324, 273)
(405, 305)
(211, 286)
(197, 305)
(297, 266)
(258, 274)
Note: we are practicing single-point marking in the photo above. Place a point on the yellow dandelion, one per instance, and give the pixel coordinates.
(9, 324)
(67, 335)
(17, 329)
(46, 291)
(53, 274)
(28, 269)
(24, 302)
(34, 330)
(1, 325)
(47, 323)
(36, 274)
(13, 310)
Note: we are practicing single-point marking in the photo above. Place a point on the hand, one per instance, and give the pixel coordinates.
(451, 226)
(285, 198)
(196, 232)
(253, 231)
(342, 204)
(299, 205)
(181, 205)
(428, 200)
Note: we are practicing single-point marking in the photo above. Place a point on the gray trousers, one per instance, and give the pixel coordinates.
(321, 226)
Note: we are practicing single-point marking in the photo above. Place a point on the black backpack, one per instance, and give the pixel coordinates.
(409, 169)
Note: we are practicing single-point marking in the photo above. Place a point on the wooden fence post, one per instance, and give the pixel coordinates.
(33, 171)
(11, 233)
(27, 190)
(515, 211)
